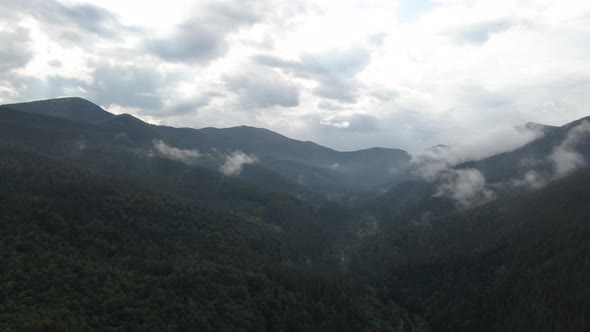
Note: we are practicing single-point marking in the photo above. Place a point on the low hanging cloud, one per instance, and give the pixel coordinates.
(565, 157)
(183, 155)
(234, 162)
(466, 186)
(531, 180)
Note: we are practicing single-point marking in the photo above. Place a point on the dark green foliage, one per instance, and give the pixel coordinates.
(515, 265)
(80, 252)
(99, 232)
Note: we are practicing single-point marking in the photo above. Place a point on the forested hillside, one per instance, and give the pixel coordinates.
(519, 264)
(81, 252)
(120, 225)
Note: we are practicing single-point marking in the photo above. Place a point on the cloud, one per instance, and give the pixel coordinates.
(428, 164)
(203, 37)
(262, 89)
(90, 18)
(564, 156)
(76, 23)
(357, 123)
(126, 85)
(15, 50)
(466, 186)
(531, 180)
(182, 155)
(328, 106)
(187, 106)
(480, 32)
(334, 70)
(234, 162)
(448, 74)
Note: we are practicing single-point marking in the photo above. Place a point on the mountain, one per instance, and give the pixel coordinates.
(124, 225)
(81, 251)
(75, 109)
(306, 164)
(547, 157)
(500, 266)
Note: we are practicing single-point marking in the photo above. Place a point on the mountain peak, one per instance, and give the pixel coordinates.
(71, 108)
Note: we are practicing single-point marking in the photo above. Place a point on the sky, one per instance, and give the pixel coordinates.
(346, 74)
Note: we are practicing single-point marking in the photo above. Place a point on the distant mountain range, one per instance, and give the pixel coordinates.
(303, 164)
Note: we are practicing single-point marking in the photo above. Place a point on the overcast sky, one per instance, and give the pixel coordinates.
(347, 74)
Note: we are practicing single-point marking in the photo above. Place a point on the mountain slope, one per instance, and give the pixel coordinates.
(541, 155)
(325, 170)
(502, 266)
(82, 252)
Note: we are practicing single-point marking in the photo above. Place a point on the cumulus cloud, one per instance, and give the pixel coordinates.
(564, 156)
(184, 155)
(234, 162)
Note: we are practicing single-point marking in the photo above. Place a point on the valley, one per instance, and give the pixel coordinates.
(112, 223)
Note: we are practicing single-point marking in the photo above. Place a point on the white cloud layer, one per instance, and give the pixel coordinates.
(348, 74)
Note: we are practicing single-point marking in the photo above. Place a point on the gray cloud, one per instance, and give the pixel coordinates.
(90, 18)
(202, 38)
(128, 86)
(357, 123)
(186, 106)
(31, 88)
(15, 51)
(481, 32)
(262, 89)
(333, 70)
(234, 162)
(68, 23)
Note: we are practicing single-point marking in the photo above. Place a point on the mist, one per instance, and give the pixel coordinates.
(468, 187)
(234, 162)
(565, 157)
(182, 155)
